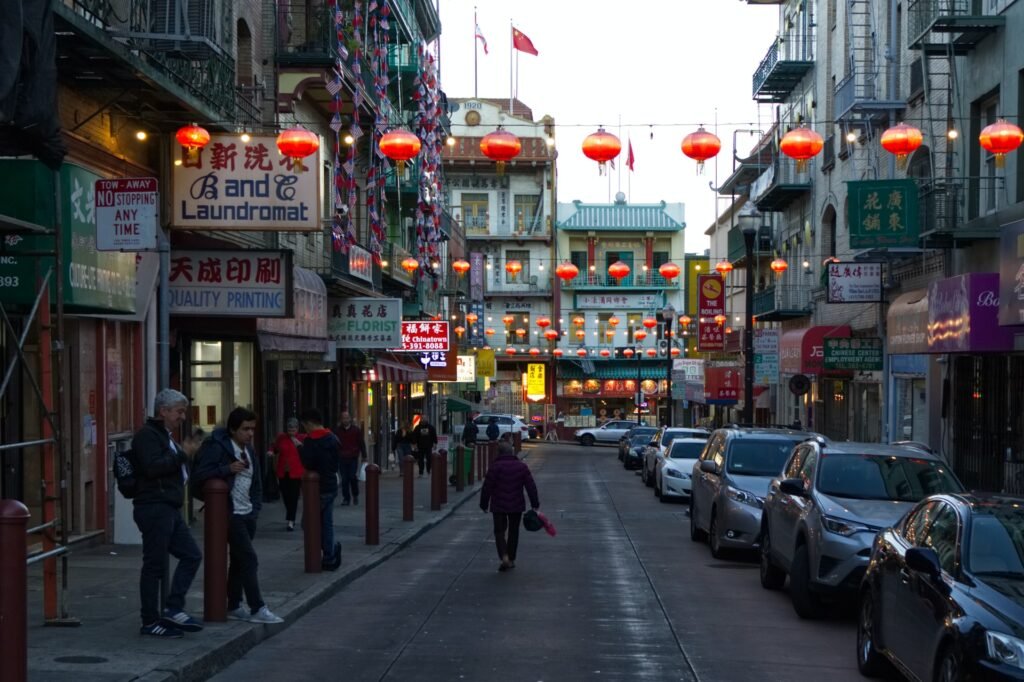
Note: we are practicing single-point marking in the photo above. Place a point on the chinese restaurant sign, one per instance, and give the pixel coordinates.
(1011, 274)
(710, 302)
(441, 366)
(627, 301)
(485, 362)
(235, 185)
(860, 354)
(366, 322)
(722, 385)
(536, 387)
(424, 336)
(854, 282)
(883, 213)
(231, 283)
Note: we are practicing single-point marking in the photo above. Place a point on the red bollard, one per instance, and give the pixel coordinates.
(14, 590)
(444, 476)
(408, 491)
(471, 474)
(436, 482)
(311, 521)
(460, 468)
(372, 501)
(517, 442)
(217, 515)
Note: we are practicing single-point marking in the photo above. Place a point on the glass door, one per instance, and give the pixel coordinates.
(221, 378)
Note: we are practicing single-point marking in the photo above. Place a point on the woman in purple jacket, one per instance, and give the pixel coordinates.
(503, 493)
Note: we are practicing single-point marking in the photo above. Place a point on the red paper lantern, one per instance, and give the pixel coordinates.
(685, 320)
(551, 335)
(297, 143)
(192, 136)
(1001, 138)
(701, 146)
(801, 144)
(580, 334)
(720, 319)
(779, 266)
(613, 321)
(543, 322)
(601, 147)
(472, 318)
(579, 320)
(723, 267)
(508, 319)
(489, 331)
(501, 146)
(669, 271)
(650, 322)
(399, 145)
(640, 335)
(510, 351)
(460, 330)
(513, 267)
(901, 140)
(582, 352)
(675, 352)
(629, 352)
(609, 334)
(605, 353)
(618, 270)
(410, 264)
(558, 352)
(535, 351)
(461, 267)
(566, 271)
(520, 332)
(651, 353)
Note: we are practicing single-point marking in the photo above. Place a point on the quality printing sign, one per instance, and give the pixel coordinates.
(231, 283)
(235, 185)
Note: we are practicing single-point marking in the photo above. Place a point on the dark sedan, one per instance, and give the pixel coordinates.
(634, 457)
(625, 441)
(943, 597)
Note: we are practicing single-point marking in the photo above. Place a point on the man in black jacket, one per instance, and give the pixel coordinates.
(162, 469)
(321, 452)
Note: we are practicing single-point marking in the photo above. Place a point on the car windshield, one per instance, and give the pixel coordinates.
(883, 477)
(759, 457)
(641, 439)
(669, 436)
(686, 450)
(997, 544)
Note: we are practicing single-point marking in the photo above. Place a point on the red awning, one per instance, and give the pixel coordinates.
(802, 351)
(396, 372)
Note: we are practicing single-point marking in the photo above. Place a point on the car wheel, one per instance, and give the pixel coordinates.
(714, 539)
(806, 603)
(772, 577)
(949, 668)
(587, 439)
(696, 534)
(869, 661)
(660, 491)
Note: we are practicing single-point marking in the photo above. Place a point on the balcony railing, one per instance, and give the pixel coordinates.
(524, 285)
(640, 280)
(788, 60)
(782, 300)
(738, 248)
(953, 25)
(780, 185)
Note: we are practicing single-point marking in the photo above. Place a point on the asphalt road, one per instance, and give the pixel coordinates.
(620, 594)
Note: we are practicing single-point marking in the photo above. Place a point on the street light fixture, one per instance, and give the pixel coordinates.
(749, 221)
(668, 314)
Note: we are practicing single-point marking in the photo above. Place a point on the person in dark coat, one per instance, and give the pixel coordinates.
(470, 432)
(502, 493)
(321, 452)
(424, 437)
(493, 431)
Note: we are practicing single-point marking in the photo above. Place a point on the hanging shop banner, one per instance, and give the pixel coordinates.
(365, 322)
(485, 363)
(766, 356)
(722, 385)
(234, 185)
(858, 354)
(883, 213)
(441, 366)
(854, 282)
(710, 302)
(126, 214)
(231, 283)
(465, 371)
(536, 384)
(624, 301)
(476, 276)
(418, 337)
(1011, 274)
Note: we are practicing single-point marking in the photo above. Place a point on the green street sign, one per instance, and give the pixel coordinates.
(883, 213)
(858, 354)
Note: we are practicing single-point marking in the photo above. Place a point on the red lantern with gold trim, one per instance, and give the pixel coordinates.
(801, 144)
(1000, 139)
(500, 146)
(520, 332)
(566, 271)
(400, 146)
(551, 335)
(558, 352)
(723, 267)
(543, 322)
(513, 268)
(901, 140)
(579, 320)
(640, 335)
(297, 143)
(508, 320)
(720, 319)
(701, 146)
(192, 138)
(605, 353)
(675, 352)
(685, 320)
(472, 318)
(582, 352)
(461, 267)
(601, 147)
(580, 334)
(613, 321)
(651, 353)
(535, 351)
(489, 331)
(510, 351)
(410, 264)
(460, 330)
(629, 352)
(669, 271)
(779, 266)
(650, 322)
(618, 270)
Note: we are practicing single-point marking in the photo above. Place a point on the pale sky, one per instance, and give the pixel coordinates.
(672, 63)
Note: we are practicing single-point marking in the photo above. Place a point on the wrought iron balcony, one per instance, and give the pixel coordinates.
(525, 285)
(949, 26)
(787, 62)
(635, 280)
(860, 95)
(780, 185)
(782, 302)
(738, 249)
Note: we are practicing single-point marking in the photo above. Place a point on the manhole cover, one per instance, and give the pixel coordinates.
(80, 659)
(733, 566)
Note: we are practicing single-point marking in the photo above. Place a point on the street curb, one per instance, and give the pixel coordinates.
(209, 663)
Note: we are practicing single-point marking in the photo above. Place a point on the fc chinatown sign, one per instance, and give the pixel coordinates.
(710, 302)
(422, 337)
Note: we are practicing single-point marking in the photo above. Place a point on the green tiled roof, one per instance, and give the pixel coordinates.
(624, 370)
(639, 217)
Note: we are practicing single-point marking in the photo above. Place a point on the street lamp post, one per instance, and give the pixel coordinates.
(639, 397)
(668, 314)
(749, 224)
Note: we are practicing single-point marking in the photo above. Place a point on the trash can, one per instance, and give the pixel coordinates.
(467, 462)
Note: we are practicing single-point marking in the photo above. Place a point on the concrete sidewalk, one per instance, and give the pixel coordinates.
(104, 584)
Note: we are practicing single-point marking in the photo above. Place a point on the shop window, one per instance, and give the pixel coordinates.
(221, 378)
(120, 384)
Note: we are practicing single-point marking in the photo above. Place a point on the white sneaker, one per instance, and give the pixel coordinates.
(264, 615)
(241, 613)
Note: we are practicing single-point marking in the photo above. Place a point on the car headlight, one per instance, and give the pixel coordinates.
(744, 497)
(842, 526)
(1004, 649)
(675, 473)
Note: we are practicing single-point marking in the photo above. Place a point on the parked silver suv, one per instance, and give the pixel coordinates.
(730, 480)
(822, 512)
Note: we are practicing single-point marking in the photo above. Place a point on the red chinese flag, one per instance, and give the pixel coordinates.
(629, 156)
(522, 43)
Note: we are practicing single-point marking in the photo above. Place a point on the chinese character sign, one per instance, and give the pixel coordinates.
(428, 335)
(854, 282)
(710, 302)
(485, 363)
(883, 213)
(862, 354)
(440, 365)
(536, 387)
(465, 371)
(232, 283)
(235, 185)
(365, 322)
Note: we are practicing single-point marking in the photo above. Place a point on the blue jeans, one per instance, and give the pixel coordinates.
(164, 532)
(349, 478)
(327, 527)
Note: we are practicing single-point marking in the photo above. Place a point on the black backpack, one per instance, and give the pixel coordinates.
(124, 466)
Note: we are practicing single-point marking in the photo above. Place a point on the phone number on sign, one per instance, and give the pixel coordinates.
(424, 345)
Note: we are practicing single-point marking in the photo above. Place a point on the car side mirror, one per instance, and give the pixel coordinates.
(708, 466)
(924, 560)
(793, 486)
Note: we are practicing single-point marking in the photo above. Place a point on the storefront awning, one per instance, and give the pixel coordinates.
(567, 371)
(277, 343)
(306, 330)
(396, 372)
(459, 405)
(963, 315)
(907, 323)
(802, 351)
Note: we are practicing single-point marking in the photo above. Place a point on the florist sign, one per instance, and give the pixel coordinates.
(365, 322)
(235, 185)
